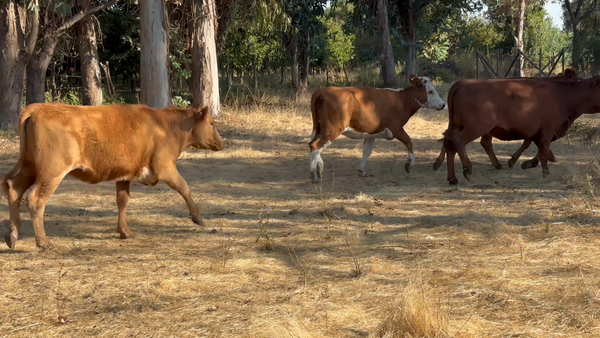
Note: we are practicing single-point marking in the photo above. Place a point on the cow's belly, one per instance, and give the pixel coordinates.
(144, 176)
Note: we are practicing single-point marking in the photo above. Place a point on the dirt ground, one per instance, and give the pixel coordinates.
(508, 254)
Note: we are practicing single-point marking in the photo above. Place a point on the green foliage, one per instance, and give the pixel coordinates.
(180, 102)
(339, 46)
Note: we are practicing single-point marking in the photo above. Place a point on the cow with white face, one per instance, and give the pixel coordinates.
(369, 114)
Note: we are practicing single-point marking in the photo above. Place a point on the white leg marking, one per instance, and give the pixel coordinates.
(411, 158)
(367, 150)
(316, 161)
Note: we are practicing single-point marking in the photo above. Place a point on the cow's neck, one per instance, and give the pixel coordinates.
(182, 124)
(409, 100)
(580, 101)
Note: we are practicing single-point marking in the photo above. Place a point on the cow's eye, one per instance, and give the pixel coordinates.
(430, 92)
(424, 81)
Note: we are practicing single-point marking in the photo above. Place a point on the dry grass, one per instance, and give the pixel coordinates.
(506, 255)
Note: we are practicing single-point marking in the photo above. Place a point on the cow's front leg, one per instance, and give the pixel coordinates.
(367, 150)
(401, 135)
(122, 202)
(174, 180)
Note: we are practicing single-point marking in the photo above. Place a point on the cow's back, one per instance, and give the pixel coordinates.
(99, 143)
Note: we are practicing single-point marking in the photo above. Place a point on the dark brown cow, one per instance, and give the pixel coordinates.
(514, 109)
(120, 143)
(486, 140)
(366, 113)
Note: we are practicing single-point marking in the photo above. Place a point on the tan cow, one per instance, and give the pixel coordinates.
(120, 143)
(366, 113)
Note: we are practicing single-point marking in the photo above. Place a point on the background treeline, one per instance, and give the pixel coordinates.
(91, 51)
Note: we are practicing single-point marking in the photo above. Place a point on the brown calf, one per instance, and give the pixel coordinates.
(120, 143)
(513, 109)
(366, 113)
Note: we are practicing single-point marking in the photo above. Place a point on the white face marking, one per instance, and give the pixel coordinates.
(353, 134)
(411, 158)
(433, 99)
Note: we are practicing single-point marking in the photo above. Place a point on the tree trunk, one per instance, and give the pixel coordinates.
(12, 69)
(91, 79)
(294, 56)
(37, 67)
(205, 73)
(519, 38)
(110, 86)
(283, 73)
(304, 62)
(255, 76)
(386, 53)
(154, 58)
(576, 56)
(53, 81)
(16, 46)
(411, 53)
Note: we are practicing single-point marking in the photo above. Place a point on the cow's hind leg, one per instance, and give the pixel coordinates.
(14, 188)
(544, 155)
(486, 143)
(440, 159)
(174, 180)
(518, 153)
(36, 200)
(403, 137)
(122, 202)
(367, 150)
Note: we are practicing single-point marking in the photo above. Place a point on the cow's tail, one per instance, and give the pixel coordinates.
(447, 135)
(24, 120)
(451, 141)
(315, 107)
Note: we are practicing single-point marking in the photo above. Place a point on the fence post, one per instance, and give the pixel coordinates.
(541, 72)
(498, 63)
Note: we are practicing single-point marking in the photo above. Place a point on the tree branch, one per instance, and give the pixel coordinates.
(571, 15)
(589, 11)
(578, 9)
(33, 33)
(79, 16)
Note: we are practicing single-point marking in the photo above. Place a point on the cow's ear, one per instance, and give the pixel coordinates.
(596, 82)
(411, 77)
(415, 81)
(200, 112)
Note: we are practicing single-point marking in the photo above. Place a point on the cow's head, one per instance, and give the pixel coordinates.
(424, 85)
(204, 132)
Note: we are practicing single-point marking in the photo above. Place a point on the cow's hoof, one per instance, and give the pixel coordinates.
(126, 235)
(198, 220)
(42, 243)
(437, 164)
(467, 174)
(10, 240)
(528, 165)
(498, 166)
(362, 173)
(545, 173)
(453, 181)
(511, 163)
(407, 167)
(314, 178)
